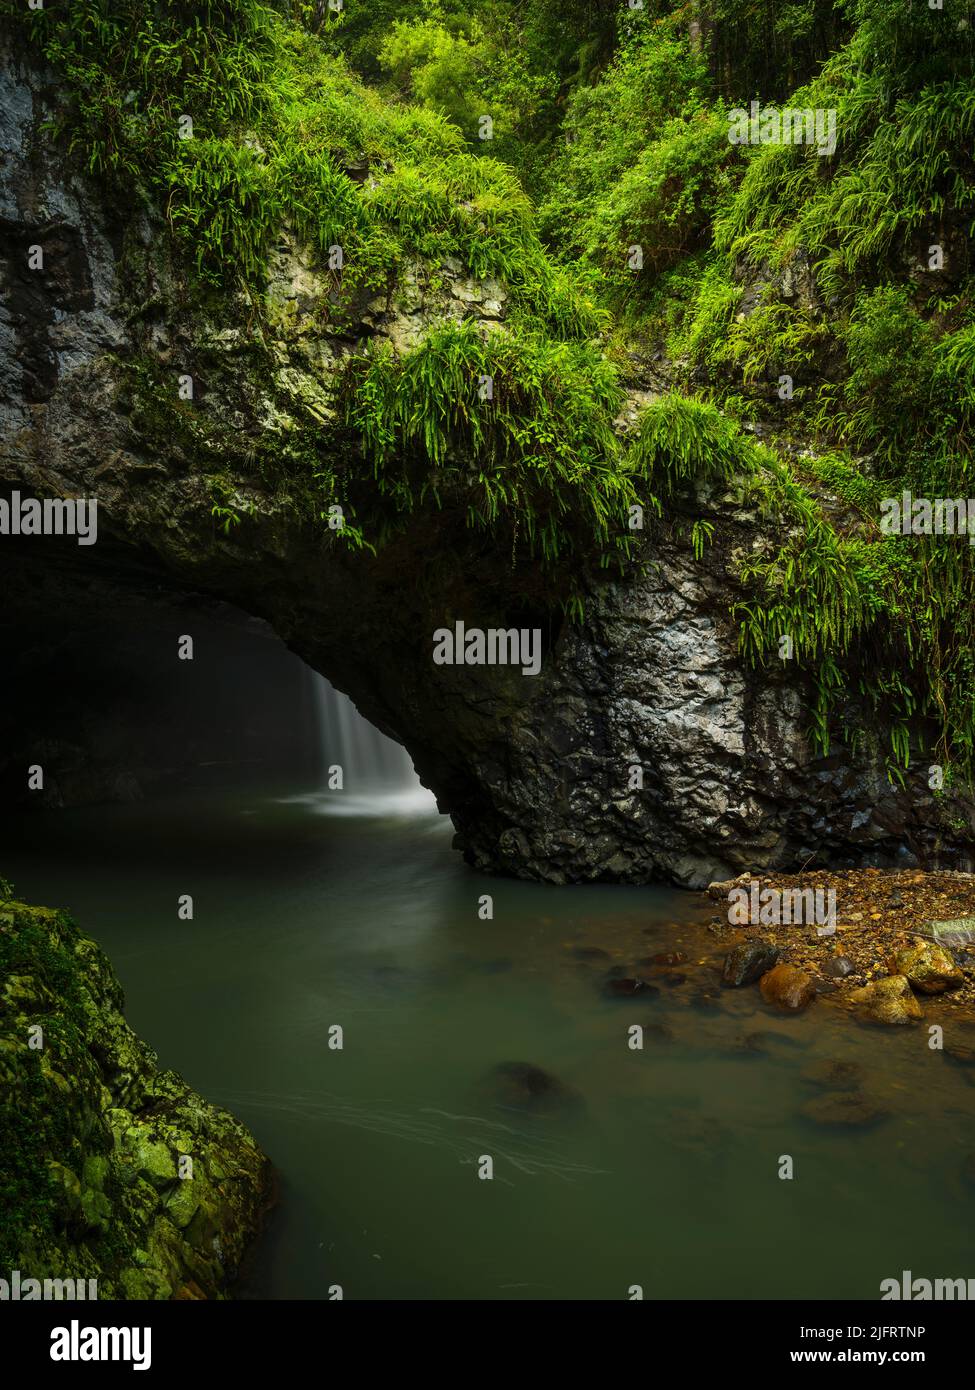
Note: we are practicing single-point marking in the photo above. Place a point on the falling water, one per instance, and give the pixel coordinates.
(377, 774)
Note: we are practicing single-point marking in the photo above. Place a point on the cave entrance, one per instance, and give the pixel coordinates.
(118, 687)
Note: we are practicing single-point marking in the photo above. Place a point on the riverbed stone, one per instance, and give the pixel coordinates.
(529, 1088)
(889, 1001)
(833, 1074)
(629, 987)
(748, 962)
(788, 988)
(928, 967)
(769, 1042)
(844, 1110)
(657, 1033)
(590, 953)
(959, 1043)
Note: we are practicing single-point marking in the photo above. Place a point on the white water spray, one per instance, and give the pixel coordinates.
(377, 774)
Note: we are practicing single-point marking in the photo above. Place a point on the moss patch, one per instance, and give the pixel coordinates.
(109, 1168)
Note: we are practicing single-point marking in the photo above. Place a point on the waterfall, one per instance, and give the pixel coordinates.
(377, 774)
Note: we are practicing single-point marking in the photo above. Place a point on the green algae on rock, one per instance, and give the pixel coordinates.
(110, 1169)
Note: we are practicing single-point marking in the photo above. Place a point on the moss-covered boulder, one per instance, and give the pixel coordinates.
(110, 1169)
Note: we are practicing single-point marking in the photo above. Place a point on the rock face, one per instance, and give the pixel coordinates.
(111, 1169)
(193, 502)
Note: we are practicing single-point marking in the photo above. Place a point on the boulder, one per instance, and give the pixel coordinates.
(722, 889)
(748, 963)
(927, 966)
(887, 1001)
(787, 988)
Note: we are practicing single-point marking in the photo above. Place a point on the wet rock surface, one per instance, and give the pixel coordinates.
(748, 963)
(887, 1001)
(929, 968)
(787, 988)
(888, 923)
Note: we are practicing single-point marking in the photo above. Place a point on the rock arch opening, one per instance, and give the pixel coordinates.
(120, 686)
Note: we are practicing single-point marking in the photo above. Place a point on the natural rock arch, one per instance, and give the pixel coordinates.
(535, 771)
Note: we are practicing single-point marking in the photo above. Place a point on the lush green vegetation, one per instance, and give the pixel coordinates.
(542, 449)
(824, 296)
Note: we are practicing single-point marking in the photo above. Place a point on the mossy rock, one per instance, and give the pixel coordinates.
(91, 1133)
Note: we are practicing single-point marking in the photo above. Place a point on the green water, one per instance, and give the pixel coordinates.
(668, 1179)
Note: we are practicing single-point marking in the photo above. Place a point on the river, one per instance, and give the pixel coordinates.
(315, 908)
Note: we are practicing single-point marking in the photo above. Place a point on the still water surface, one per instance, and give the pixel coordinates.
(667, 1178)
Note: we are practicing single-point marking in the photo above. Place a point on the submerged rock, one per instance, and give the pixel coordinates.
(788, 988)
(834, 1075)
(594, 953)
(628, 987)
(501, 966)
(887, 1001)
(708, 1001)
(764, 1043)
(111, 1169)
(524, 1086)
(748, 963)
(928, 967)
(657, 1033)
(959, 1044)
(844, 1110)
(838, 967)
